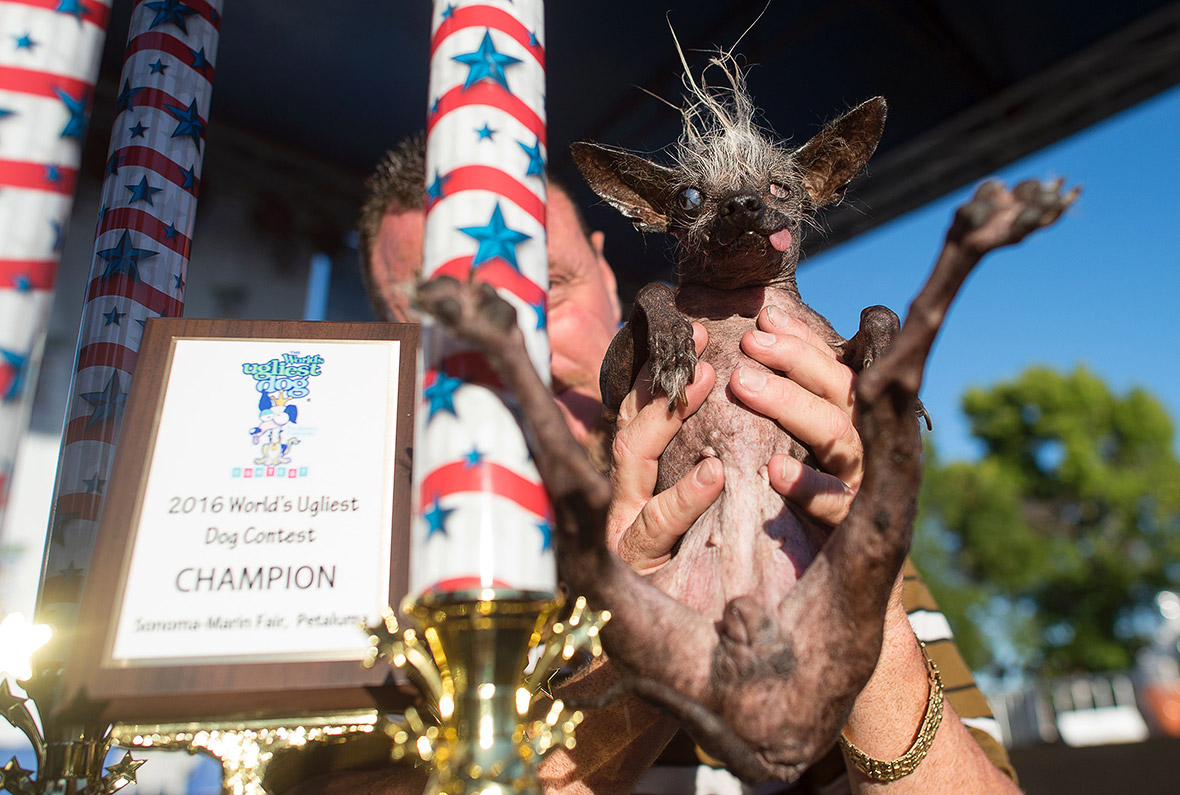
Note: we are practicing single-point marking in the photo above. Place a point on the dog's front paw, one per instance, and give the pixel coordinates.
(672, 358)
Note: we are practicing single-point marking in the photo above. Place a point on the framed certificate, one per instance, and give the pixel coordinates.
(258, 513)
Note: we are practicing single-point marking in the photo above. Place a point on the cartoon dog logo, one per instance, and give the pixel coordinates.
(275, 412)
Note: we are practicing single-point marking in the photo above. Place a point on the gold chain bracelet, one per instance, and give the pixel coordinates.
(908, 762)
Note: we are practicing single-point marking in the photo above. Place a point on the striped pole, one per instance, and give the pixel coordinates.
(49, 56)
(483, 517)
(139, 269)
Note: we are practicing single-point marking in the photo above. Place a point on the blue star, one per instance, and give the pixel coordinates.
(179, 277)
(138, 130)
(143, 323)
(58, 235)
(125, 258)
(25, 42)
(214, 17)
(113, 317)
(170, 11)
(114, 161)
(5, 113)
(536, 166)
(158, 67)
(200, 61)
(436, 189)
(486, 132)
(496, 239)
(472, 459)
(449, 11)
(436, 518)
(542, 318)
(142, 192)
(125, 99)
(108, 404)
(486, 63)
(94, 485)
(188, 177)
(190, 121)
(52, 173)
(13, 361)
(170, 232)
(434, 106)
(74, 7)
(533, 39)
(546, 534)
(22, 283)
(441, 394)
(76, 126)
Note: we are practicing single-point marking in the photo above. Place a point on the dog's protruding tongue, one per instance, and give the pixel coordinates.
(781, 240)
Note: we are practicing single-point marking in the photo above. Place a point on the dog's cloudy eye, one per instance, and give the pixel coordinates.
(778, 191)
(690, 199)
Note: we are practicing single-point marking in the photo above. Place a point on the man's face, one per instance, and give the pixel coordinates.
(583, 302)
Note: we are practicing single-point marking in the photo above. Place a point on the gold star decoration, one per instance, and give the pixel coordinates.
(123, 772)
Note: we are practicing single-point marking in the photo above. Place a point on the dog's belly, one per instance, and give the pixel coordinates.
(750, 541)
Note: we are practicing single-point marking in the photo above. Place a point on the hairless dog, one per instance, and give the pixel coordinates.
(779, 622)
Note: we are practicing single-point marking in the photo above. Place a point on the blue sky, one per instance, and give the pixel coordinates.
(1099, 288)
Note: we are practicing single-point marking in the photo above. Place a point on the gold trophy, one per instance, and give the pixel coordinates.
(487, 723)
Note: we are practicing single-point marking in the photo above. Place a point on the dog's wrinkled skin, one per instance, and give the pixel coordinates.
(778, 629)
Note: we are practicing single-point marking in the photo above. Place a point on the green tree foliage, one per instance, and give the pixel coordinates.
(1047, 551)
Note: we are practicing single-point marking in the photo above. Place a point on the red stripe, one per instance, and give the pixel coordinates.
(148, 97)
(85, 505)
(107, 354)
(206, 11)
(486, 478)
(487, 17)
(472, 367)
(497, 273)
(455, 584)
(157, 162)
(96, 13)
(496, 181)
(144, 294)
(491, 95)
(41, 84)
(139, 221)
(41, 274)
(105, 431)
(163, 42)
(21, 174)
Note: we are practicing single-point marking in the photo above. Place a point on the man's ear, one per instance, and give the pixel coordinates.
(638, 188)
(831, 159)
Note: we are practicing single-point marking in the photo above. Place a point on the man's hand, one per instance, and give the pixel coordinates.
(813, 403)
(641, 528)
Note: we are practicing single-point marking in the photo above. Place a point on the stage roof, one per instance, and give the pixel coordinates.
(970, 85)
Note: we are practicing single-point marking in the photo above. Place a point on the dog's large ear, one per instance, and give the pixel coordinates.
(636, 187)
(831, 159)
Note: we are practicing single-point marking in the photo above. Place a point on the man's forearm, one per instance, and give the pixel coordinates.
(615, 744)
(885, 720)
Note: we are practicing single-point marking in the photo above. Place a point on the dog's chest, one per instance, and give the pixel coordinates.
(750, 541)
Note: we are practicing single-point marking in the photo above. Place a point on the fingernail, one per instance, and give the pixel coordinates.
(706, 472)
(751, 379)
(775, 316)
(763, 339)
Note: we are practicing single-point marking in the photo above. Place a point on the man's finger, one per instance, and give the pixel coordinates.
(825, 428)
(648, 543)
(813, 367)
(637, 447)
(822, 496)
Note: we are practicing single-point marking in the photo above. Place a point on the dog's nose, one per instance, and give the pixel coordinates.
(737, 206)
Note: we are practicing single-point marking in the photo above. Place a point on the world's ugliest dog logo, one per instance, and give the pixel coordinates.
(280, 382)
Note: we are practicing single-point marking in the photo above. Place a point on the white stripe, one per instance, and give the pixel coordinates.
(989, 725)
(930, 625)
